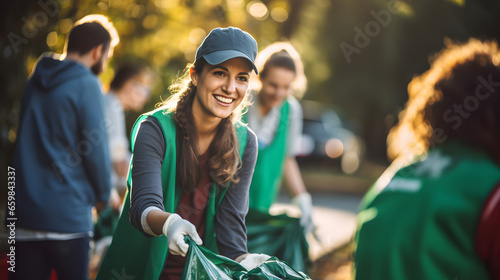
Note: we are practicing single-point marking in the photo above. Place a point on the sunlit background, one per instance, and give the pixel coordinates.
(359, 56)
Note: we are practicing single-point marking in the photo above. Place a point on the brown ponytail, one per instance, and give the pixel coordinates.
(224, 158)
(188, 167)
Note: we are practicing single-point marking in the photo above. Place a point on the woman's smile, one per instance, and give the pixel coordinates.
(223, 101)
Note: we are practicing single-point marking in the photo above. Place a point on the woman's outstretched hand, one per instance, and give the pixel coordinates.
(251, 261)
(304, 202)
(175, 228)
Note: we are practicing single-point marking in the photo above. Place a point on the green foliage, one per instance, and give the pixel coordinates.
(165, 34)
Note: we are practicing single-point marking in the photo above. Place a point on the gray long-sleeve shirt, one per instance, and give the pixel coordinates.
(149, 151)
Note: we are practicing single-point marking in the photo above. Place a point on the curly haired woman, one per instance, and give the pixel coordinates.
(435, 212)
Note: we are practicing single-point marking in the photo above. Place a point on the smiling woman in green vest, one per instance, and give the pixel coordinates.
(191, 168)
(276, 118)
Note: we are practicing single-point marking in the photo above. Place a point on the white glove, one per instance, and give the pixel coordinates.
(253, 260)
(175, 228)
(304, 202)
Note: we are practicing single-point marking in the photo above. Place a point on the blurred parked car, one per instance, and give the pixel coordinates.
(326, 139)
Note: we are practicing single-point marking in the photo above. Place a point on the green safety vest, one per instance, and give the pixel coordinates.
(131, 254)
(266, 180)
(422, 224)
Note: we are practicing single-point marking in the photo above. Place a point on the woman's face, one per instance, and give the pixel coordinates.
(276, 86)
(138, 90)
(220, 88)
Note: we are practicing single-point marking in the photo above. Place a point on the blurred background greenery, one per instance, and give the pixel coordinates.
(359, 55)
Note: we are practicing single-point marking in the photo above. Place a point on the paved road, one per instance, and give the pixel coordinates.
(334, 216)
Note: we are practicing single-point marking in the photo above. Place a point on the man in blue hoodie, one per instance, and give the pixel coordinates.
(62, 159)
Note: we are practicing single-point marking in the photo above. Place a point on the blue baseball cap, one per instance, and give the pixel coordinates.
(223, 44)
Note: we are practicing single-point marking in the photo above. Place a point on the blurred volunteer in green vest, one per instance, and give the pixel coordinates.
(276, 118)
(191, 168)
(435, 212)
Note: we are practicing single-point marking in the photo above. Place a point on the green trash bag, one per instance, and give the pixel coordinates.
(281, 236)
(202, 263)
